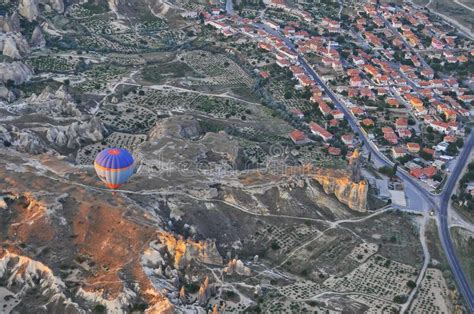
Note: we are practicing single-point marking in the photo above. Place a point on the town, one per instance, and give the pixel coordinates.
(392, 68)
(236, 156)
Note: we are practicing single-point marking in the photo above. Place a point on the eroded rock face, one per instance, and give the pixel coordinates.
(54, 104)
(14, 45)
(236, 266)
(28, 9)
(57, 5)
(6, 94)
(24, 276)
(183, 251)
(37, 38)
(72, 136)
(17, 71)
(338, 182)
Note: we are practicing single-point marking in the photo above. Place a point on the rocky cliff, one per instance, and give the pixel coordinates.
(29, 8)
(73, 135)
(338, 182)
(24, 277)
(183, 251)
(17, 72)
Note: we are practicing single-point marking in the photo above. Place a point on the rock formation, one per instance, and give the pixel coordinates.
(57, 104)
(74, 135)
(338, 182)
(6, 94)
(57, 5)
(182, 295)
(14, 45)
(204, 292)
(183, 251)
(26, 277)
(16, 71)
(10, 49)
(28, 9)
(37, 38)
(10, 24)
(22, 140)
(236, 266)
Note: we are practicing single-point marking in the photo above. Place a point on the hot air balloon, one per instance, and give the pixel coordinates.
(114, 166)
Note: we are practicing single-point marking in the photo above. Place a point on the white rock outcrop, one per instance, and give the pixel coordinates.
(73, 136)
(10, 49)
(24, 276)
(54, 104)
(16, 71)
(37, 38)
(28, 9)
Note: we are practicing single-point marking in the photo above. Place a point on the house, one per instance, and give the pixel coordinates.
(424, 173)
(398, 151)
(277, 4)
(391, 138)
(429, 151)
(337, 114)
(416, 172)
(470, 188)
(413, 147)
(348, 139)
(387, 130)
(430, 171)
(298, 137)
(401, 123)
(324, 108)
(404, 133)
(264, 46)
(272, 24)
(305, 80)
(227, 32)
(449, 139)
(334, 151)
(288, 53)
(355, 81)
(333, 123)
(264, 74)
(439, 126)
(297, 113)
(318, 130)
(216, 24)
(392, 102)
(283, 63)
(368, 122)
(436, 43)
(357, 111)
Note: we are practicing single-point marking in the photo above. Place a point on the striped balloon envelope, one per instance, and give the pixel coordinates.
(114, 166)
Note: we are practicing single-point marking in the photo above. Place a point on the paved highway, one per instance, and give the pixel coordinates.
(437, 203)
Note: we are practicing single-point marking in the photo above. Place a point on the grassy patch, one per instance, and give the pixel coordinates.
(94, 8)
(464, 242)
(37, 87)
(158, 73)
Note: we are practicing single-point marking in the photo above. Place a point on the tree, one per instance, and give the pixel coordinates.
(275, 246)
(10, 83)
(411, 284)
(459, 142)
(394, 169)
(452, 149)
